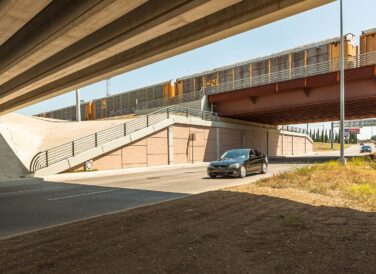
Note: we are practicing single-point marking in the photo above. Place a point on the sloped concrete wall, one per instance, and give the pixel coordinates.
(149, 151)
(154, 149)
(10, 165)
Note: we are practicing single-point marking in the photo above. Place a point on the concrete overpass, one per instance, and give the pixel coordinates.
(312, 95)
(49, 47)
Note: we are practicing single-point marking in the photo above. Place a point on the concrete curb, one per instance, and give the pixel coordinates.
(114, 172)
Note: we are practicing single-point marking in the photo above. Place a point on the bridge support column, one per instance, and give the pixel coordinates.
(292, 144)
(170, 144)
(243, 138)
(218, 143)
(78, 106)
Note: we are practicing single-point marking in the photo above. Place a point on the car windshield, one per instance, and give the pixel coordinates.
(366, 147)
(237, 153)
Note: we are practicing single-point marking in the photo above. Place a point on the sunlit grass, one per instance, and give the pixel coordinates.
(319, 146)
(356, 181)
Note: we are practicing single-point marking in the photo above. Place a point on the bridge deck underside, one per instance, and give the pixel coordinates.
(50, 47)
(310, 99)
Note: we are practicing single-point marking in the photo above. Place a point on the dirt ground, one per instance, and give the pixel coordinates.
(246, 229)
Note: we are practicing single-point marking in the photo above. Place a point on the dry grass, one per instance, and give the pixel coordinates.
(355, 182)
(319, 146)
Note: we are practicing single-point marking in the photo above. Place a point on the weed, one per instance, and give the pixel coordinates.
(356, 181)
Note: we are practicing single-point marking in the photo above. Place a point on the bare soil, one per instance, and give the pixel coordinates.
(246, 229)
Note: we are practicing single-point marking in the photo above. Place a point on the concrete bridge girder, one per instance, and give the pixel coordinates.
(14, 14)
(149, 21)
(83, 63)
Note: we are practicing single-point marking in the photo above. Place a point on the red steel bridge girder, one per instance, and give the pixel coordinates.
(309, 99)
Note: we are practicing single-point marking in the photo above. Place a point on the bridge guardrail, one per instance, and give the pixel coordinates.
(294, 129)
(57, 154)
(168, 101)
(295, 73)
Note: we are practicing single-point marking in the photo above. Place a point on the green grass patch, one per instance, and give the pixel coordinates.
(356, 181)
(320, 146)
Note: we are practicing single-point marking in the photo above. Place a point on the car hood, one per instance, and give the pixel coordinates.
(228, 161)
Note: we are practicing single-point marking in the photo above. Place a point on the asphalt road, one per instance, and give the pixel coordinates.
(32, 204)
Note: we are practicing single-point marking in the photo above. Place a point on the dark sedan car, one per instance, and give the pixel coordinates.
(238, 163)
(366, 149)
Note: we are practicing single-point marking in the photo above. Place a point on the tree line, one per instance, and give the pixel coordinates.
(325, 136)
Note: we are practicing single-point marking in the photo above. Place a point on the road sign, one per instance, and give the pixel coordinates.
(354, 130)
(346, 132)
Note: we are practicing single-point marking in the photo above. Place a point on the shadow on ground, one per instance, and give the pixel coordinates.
(31, 204)
(214, 232)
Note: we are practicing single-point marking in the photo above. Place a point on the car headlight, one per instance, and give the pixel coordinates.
(210, 166)
(236, 165)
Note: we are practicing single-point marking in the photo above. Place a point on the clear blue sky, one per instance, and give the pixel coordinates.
(307, 27)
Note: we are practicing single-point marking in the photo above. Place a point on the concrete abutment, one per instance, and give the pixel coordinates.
(173, 145)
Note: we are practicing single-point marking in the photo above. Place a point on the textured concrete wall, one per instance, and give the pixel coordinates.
(149, 151)
(153, 150)
(204, 146)
(10, 165)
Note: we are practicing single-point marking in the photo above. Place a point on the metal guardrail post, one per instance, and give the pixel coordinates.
(147, 120)
(125, 129)
(96, 139)
(72, 148)
(186, 112)
(168, 113)
(46, 158)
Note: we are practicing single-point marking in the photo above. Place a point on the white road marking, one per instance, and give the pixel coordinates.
(28, 190)
(84, 194)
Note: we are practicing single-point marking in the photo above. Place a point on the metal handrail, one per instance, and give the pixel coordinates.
(62, 152)
(295, 73)
(294, 129)
(168, 101)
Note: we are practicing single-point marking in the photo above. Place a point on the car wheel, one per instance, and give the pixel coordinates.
(242, 172)
(212, 176)
(264, 168)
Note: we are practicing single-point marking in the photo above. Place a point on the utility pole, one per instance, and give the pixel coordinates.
(342, 158)
(108, 87)
(332, 136)
(78, 106)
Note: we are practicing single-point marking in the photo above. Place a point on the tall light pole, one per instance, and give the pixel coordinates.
(332, 136)
(78, 106)
(108, 87)
(342, 158)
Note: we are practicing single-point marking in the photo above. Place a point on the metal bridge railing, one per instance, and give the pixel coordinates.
(57, 154)
(294, 129)
(168, 101)
(296, 73)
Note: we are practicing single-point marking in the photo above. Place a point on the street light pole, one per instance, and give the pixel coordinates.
(332, 136)
(78, 106)
(342, 158)
(108, 87)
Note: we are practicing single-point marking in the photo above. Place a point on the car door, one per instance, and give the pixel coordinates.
(252, 162)
(260, 160)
